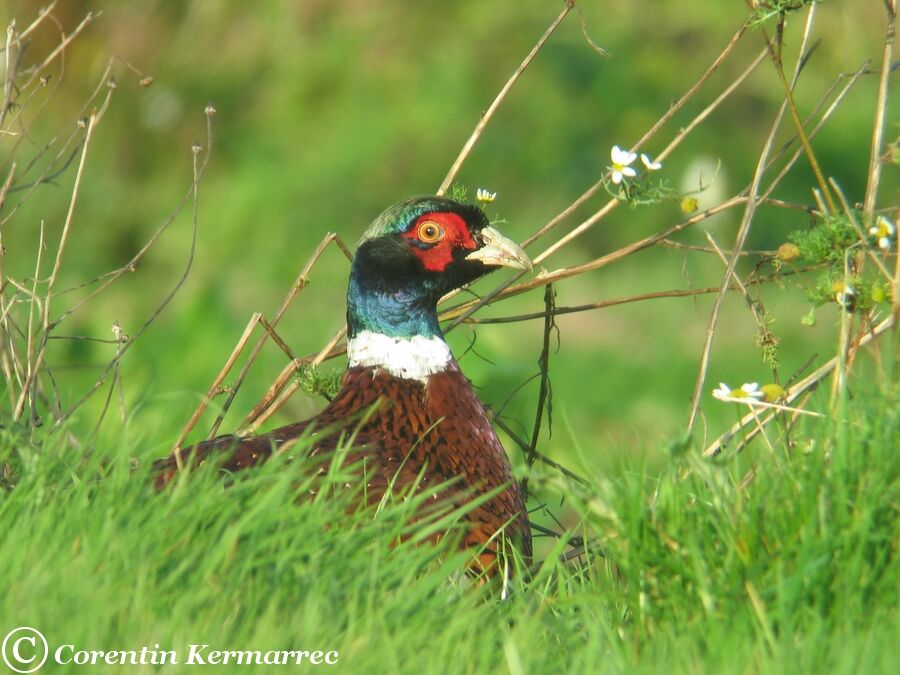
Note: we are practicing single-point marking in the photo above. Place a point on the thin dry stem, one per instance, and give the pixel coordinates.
(29, 347)
(544, 391)
(486, 117)
(250, 426)
(874, 173)
(626, 300)
(787, 88)
(216, 385)
(272, 392)
(9, 74)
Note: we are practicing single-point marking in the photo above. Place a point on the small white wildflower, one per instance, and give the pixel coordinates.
(844, 294)
(650, 164)
(620, 164)
(118, 335)
(884, 231)
(485, 196)
(748, 390)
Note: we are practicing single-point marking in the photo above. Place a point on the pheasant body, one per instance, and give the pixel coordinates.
(415, 417)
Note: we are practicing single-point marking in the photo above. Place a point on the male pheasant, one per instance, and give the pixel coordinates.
(415, 416)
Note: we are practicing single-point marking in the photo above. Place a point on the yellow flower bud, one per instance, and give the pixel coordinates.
(788, 252)
(772, 392)
(689, 205)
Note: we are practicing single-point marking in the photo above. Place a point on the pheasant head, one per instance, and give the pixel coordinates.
(412, 254)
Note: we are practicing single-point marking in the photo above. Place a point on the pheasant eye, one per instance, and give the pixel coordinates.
(430, 232)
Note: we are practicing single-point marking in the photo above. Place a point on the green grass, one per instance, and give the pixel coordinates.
(794, 572)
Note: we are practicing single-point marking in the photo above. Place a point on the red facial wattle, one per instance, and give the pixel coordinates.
(435, 256)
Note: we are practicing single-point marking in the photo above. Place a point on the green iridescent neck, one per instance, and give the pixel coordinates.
(400, 311)
(390, 293)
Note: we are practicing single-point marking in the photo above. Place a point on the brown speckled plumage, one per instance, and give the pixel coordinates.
(438, 429)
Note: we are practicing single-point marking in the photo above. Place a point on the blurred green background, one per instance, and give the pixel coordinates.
(329, 111)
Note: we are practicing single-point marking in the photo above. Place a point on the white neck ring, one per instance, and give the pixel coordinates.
(411, 358)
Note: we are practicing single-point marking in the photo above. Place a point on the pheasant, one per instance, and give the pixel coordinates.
(416, 418)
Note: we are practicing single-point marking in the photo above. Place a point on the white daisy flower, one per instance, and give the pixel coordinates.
(748, 390)
(620, 164)
(884, 231)
(650, 164)
(485, 196)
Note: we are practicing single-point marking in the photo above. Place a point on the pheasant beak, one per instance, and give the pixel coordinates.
(500, 251)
